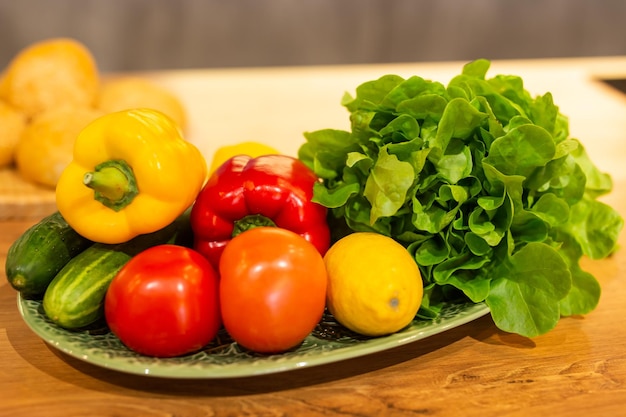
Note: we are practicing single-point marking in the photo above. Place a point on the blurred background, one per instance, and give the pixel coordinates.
(135, 35)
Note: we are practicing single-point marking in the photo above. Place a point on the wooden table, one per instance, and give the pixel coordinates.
(579, 368)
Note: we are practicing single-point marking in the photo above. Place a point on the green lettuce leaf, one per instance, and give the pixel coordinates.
(483, 185)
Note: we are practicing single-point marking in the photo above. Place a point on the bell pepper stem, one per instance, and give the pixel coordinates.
(250, 222)
(114, 184)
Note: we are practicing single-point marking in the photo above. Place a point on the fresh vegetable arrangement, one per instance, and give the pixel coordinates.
(483, 185)
(470, 192)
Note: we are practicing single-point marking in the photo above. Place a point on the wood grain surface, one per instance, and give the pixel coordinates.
(578, 369)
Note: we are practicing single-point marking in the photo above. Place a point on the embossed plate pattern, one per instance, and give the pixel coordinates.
(223, 358)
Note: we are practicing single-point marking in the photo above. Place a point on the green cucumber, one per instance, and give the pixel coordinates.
(35, 258)
(75, 297)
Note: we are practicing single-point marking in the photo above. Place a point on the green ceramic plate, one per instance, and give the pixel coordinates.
(329, 342)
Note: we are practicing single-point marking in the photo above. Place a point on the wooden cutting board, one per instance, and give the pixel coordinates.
(22, 200)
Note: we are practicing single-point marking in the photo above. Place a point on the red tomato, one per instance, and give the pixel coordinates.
(272, 289)
(164, 302)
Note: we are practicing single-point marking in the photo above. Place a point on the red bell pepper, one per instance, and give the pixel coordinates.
(245, 192)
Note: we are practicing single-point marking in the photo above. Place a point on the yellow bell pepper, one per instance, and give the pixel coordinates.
(253, 149)
(132, 173)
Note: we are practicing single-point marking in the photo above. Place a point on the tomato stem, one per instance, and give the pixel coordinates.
(250, 222)
(114, 184)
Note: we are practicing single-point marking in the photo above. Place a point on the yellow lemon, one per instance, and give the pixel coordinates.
(253, 149)
(375, 287)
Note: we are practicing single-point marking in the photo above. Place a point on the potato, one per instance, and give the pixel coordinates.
(50, 74)
(47, 143)
(12, 123)
(133, 92)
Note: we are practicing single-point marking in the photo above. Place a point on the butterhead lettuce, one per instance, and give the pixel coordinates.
(483, 185)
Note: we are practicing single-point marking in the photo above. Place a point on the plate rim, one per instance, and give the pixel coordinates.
(269, 365)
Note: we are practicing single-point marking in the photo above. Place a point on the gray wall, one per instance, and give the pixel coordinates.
(165, 34)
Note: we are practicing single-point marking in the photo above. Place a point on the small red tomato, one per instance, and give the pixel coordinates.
(164, 302)
(272, 289)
